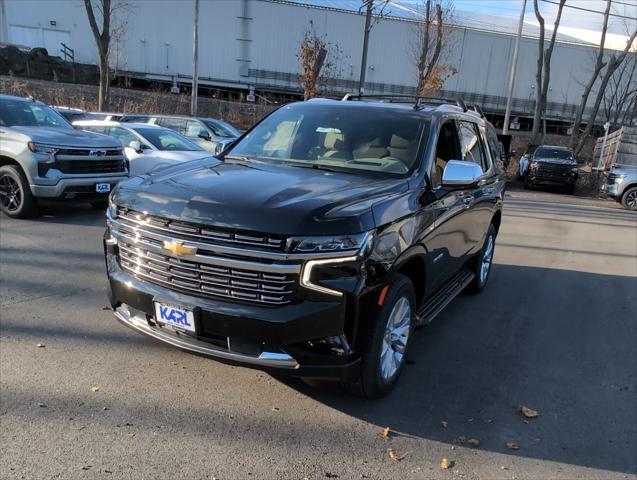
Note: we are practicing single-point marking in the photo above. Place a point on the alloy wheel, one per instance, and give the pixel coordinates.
(631, 199)
(395, 339)
(10, 193)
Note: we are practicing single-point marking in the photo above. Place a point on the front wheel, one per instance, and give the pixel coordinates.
(16, 199)
(482, 264)
(629, 199)
(388, 331)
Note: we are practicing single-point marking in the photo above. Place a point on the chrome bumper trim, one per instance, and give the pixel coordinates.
(266, 359)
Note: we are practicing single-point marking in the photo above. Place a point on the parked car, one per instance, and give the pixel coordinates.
(43, 157)
(316, 243)
(148, 147)
(622, 185)
(551, 165)
(212, 134)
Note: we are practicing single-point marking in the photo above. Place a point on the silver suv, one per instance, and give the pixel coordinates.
(43, 156)
(622, 185)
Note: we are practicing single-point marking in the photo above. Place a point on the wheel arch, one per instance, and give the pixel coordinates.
(413, 265)
(496, 220)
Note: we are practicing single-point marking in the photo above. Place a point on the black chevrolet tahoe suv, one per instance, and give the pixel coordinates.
(317, 242)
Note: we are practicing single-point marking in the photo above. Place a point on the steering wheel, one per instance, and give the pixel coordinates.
(171, 146)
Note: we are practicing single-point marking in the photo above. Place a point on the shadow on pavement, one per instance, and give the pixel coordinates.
(571, 356)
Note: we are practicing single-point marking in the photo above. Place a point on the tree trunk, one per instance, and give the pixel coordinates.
(104, 90)
(599, 64)
(547, 61)
(424, 50)
(537, 116)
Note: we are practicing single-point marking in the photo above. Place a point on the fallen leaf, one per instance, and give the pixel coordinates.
(105, 408)
(446, 464)
(394, 455)
(513, 446)
(42, 405)
(331, 475)
(275, 409)
(95, 389)
(105, 307)
(527, 412)
(444, 424)
(474, 442)
(40, 345)
(87, 467)
(385, 433)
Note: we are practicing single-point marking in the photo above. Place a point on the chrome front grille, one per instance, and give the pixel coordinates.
(193, 232)
(206, 279)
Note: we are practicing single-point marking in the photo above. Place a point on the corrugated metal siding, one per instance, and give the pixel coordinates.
(158, 42)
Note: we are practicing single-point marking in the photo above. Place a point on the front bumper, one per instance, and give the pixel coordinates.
(554, 180)
(304, 339)
(76, 187)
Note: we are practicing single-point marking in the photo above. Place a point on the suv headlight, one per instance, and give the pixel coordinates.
(330, 243)
(533, 165)
(40, 148)
(317, 269)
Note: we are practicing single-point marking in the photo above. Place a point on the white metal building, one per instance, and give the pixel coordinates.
(253, 44)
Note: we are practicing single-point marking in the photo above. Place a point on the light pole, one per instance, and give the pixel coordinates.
(368, 21)
(195, 41)
(514, 66)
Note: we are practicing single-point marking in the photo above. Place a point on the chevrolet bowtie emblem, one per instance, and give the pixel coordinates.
(178, 249)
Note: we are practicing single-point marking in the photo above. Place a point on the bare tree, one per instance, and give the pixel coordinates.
(543, 73)
(319, 61)
(614, 62)
(433, 40)
(106, 9)
(599, 64)
(621, 93)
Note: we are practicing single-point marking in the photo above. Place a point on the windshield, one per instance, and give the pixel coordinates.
(21, 113)
(339, 137)
(221, 128)
(164, 139)
(557, 153)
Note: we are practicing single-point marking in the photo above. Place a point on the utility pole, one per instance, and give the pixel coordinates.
(514, 66)
(195, 59)
(368, 22)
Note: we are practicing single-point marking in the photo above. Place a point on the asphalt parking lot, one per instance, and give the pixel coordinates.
(555, 330)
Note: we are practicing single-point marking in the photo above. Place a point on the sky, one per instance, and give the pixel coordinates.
(578, 24)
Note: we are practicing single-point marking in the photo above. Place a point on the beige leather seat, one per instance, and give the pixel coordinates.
(402, 149)
(335, 147)
(373, 149)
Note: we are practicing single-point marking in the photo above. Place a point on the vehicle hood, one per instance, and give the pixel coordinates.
(255, 197)
(556, 161)
(185, 156)
(67, 137)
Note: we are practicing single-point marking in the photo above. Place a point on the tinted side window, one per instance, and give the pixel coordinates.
(176, 124)
(122, 135)
(472, 148)
(447, 148)
(194, 128)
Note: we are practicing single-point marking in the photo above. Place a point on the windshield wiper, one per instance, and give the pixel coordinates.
(236, 157)
(315, 166)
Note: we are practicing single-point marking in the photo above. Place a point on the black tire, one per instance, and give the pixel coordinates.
(527, 184)
(569, 189)
(16, 199)
(629, 199)
(100, 205)
(479, 280)
(372, 383)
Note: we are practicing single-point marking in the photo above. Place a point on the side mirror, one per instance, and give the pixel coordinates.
(135, 145)
(204, 134)
(461, 174)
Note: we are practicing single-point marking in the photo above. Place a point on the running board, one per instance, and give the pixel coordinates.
(435, 304)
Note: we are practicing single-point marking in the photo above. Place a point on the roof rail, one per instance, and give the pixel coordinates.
(476, 108)
(419, 100)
